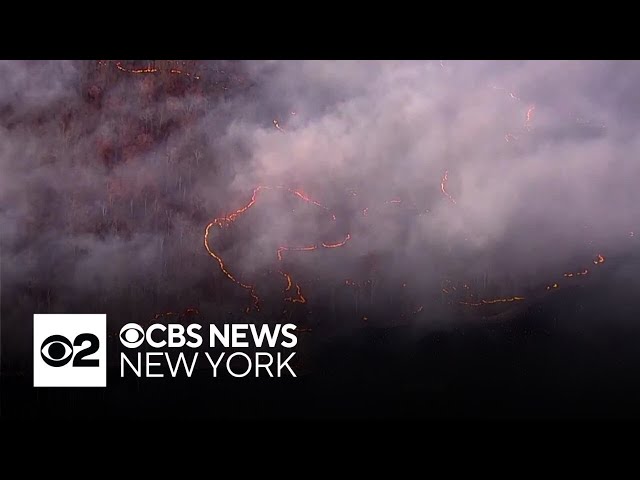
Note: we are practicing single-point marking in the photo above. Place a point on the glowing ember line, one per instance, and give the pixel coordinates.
(529, 117)
(299, 299)
(493, 301)
(190, 311)
(228, 219)
(598, 261)
(576, 274)
(295, 249)
(304, 197)
(337, 244)
(288, 277)
(148, 70)
(443, 186)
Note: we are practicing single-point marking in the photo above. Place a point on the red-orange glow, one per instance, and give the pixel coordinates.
(228, 219)
(299, 298)
(337, 244)
(577, 274)
(493, 301)
(147, 70)
(288, 277)
(529, 117)
(599, 259)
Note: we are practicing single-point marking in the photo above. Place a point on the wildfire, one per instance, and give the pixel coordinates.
(295, 249)
(529, 117)
(337, 244)
(493, 301)
(300, 298)
(577, 274)
(147, 70)
(228, 219)
(293, 289)
(190, 311)
(443, 186)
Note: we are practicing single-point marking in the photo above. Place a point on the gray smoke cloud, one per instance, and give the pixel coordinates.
(108, 179)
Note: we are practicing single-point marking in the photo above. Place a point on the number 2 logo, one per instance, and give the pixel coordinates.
(57, 351)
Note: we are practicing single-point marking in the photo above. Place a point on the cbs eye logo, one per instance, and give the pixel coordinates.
(58, 350)
(132, 335)
(64, 345)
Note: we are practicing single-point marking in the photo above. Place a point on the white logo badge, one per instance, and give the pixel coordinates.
(69, 350)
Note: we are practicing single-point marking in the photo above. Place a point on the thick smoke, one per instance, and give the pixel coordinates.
(108, 178)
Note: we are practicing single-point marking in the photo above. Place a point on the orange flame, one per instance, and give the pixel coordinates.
(147, 70)
(577, 274)
(337, 244)
(228, 219)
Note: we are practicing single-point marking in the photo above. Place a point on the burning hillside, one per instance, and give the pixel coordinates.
(151, 188)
